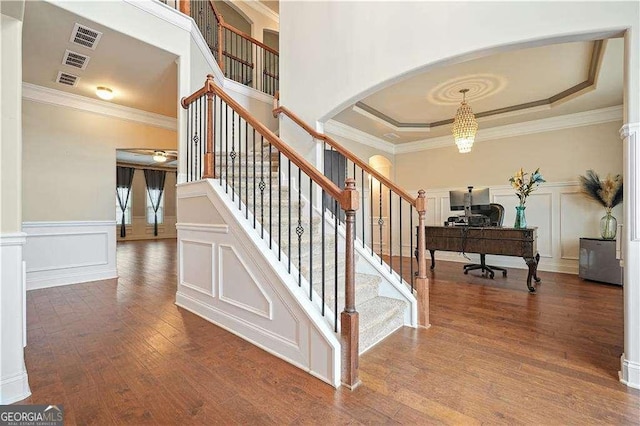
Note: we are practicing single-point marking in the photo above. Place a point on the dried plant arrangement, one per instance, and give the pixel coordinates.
(607, 192)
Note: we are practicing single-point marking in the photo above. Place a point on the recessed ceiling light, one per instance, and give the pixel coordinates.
(104, 93)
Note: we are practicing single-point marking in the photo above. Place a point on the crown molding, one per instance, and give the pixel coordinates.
(568, 121)
(258, 6)
(628, 129)
(345, 131)
(49, 96)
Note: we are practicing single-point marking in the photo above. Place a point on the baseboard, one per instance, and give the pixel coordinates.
(68, 279)
(629, 373)
(62, 253)
(14, 389)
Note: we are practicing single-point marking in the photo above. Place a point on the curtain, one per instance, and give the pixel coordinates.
(124, 177)
(155, 181)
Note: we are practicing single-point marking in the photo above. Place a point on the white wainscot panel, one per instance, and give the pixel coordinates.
(538, 213)
(578, 219)
(60, 253)
(196, 269)
(238, 287)
(431, 217)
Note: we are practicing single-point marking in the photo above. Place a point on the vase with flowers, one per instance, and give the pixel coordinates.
(524, 187)
(608, 193)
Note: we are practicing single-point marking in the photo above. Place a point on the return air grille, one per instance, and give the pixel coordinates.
(76, 60)
(67, 79)
(85, 36)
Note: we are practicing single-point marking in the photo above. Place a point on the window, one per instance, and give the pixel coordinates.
(154, 193)
(127, 211)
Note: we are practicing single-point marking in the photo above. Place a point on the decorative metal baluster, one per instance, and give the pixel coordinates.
(233, 154)
(400, 232)
(239, 162)
(196, 145)
(189, 146)
(323, 246)
(246, 169)
(226, 149)
(380, 219)
(262, 187)
(219, 152)
(411, 243)
(270, 202)
(362, 205)
(390, 235)
(299, 228)
(279, 206)
(310, 239)
(255, 212)
(289, 221)
(335, 271)
(371, 209)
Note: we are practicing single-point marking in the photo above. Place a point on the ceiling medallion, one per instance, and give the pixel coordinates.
(479, 86)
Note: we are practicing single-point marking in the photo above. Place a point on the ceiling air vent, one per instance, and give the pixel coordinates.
(85, 36)
(67, 79)
(76, 60)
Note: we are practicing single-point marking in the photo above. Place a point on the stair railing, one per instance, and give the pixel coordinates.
(241, 57)
(386, 202)
(274, 192)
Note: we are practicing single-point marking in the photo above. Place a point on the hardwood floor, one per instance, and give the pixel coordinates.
(120, 351)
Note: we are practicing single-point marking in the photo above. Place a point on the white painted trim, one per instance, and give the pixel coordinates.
(13, 239)
(59, 253)
(164, 12)
(630, 135)
(49, 96)
(345, 131)
(14, 389)
(259, 7)
(181, 280)
(629, 373)
(218, 229)
(58, 224)
(568, 121)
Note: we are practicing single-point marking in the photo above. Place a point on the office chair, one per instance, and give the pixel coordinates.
(496, 216)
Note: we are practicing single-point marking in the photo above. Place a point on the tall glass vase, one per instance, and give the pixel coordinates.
(608, 226)
(521, 220)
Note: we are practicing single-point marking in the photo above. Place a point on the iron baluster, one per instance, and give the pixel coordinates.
(335, 269)
(262, 186)
(299, 228)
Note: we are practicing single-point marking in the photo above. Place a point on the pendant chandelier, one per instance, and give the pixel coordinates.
(465, 126)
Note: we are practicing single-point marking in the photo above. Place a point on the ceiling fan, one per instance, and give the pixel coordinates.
(157, 155)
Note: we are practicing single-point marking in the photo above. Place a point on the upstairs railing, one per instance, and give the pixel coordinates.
(392, 214)
(274, 188)
(240, 57)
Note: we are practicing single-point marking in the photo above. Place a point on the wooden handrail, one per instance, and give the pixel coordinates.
(235, 58)
(320, 179)
(342, 150)
(249, 38)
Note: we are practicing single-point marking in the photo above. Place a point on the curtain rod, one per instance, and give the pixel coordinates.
(142, 167)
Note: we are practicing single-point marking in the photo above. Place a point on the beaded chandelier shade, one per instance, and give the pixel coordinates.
(465, 126)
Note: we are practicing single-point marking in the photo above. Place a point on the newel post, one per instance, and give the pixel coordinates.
(209, 155)
(349, 324)
(184, 6)
(422, 282)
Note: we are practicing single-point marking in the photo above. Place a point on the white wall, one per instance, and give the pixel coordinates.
(359, 47)
(14, 383)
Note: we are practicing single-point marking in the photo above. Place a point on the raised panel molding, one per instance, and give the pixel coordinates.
(197, 268)
(61, 253)
(238, 286)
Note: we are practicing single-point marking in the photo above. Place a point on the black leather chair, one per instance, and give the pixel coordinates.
(496, 216)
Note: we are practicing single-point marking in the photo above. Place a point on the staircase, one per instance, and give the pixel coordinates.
(379, 315)
(263, 254)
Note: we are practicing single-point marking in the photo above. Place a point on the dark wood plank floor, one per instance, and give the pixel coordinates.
(120, 351)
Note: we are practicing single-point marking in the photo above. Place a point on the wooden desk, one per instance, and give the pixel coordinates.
(486, 240)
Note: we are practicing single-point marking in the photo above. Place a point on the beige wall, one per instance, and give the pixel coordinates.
(561, 155)
(10, 150)
(232, 17)
(271, 39)
(69, 161)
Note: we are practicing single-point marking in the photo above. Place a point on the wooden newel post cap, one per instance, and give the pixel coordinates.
(209, 82)
(350, 196)
(421, 201)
